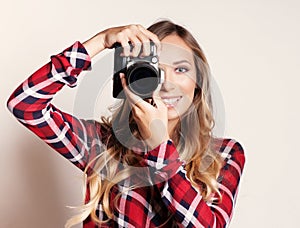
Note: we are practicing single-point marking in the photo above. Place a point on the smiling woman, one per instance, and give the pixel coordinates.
(177, 62)
(173, 172)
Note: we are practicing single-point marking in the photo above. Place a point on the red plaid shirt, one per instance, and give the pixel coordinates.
(78, 141)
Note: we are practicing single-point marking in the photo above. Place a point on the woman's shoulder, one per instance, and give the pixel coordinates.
(229, 149)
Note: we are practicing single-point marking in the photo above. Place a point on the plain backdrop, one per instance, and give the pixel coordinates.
(253, 50)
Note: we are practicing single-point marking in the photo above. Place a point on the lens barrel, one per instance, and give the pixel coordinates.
(142, 79)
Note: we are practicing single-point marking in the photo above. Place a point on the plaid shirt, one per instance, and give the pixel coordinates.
(78, 141)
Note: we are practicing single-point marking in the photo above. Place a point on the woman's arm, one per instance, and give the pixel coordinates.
(30, 103)
(182, 199)
(137, 35)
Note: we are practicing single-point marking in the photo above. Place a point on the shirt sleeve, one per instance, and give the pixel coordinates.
(182, 199)
(31, 104)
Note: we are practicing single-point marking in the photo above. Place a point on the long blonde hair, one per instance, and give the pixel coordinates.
(193, 141)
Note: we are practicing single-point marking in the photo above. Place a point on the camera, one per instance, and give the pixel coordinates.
(142, 74)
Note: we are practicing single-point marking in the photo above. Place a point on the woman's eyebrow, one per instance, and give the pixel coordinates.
(181, 61)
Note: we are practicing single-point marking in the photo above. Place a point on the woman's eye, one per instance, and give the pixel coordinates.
(181, 69)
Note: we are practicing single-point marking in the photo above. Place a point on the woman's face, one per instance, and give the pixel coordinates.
(177, 62)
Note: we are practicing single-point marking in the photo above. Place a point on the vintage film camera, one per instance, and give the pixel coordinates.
(142, 73)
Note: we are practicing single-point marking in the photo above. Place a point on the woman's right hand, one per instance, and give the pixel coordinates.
(137, 35)
(152, 120)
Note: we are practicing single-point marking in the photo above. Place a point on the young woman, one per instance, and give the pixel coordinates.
(170, 171)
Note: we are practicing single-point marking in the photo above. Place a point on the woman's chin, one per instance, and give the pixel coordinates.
(173, 114)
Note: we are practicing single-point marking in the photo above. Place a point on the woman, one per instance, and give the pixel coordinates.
(173, 172)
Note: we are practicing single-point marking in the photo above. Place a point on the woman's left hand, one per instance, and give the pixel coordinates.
(152, 121)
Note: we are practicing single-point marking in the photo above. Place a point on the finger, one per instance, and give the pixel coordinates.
(126, 47)
(159, 103)
(157, 99)
(136, 46)
(152, 37)
(146, 48)
(131, 32)
(146, 43)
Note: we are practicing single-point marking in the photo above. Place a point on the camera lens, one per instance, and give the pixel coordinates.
(142, 79)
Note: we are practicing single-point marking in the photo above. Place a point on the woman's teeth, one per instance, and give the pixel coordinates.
(171, 101)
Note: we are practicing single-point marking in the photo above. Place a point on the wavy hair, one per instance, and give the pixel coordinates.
(194, 142)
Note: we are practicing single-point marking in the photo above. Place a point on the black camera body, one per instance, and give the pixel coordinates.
(142, 74)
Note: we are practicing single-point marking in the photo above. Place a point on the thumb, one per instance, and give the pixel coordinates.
(159, 102)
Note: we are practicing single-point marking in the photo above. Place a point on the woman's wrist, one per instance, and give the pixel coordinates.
(95, 44)
(154, 144)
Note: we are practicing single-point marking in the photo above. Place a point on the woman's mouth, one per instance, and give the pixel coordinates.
(171, 101)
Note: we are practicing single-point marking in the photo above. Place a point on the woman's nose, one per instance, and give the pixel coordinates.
(167, 86)
(168, 83)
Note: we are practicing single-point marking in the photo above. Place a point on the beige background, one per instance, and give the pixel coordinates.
(253, 49)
